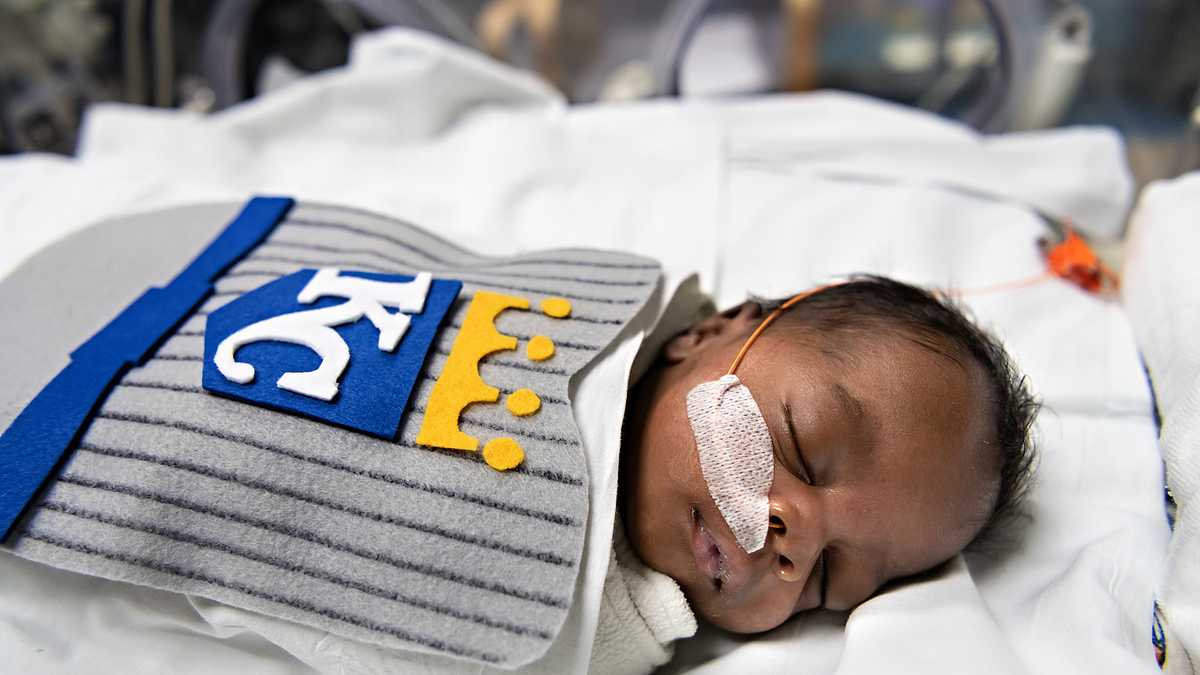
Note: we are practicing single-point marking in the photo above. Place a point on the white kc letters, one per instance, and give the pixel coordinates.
(312, 328)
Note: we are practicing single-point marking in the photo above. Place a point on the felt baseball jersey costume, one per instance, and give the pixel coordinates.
(327, 416)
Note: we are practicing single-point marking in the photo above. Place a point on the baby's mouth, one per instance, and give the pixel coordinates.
(710, 561)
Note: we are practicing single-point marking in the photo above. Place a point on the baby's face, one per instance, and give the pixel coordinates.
(881, 470)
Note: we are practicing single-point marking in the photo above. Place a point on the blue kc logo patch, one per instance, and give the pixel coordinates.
(337, 346)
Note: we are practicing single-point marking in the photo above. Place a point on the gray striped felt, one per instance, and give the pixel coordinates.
(375, 540)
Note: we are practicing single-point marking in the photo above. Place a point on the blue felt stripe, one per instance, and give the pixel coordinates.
(51, 424)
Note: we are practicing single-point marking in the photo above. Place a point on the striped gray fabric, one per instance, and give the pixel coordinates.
(379, 541)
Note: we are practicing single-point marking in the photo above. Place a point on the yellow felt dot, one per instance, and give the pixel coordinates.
(523, 402)
(503, 454)
(559, 308)
(539, 348)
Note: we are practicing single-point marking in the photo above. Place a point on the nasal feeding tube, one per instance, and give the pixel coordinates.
(735, 447)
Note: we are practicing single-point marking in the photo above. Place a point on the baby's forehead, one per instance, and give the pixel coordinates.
(867, 332)
(883, 356)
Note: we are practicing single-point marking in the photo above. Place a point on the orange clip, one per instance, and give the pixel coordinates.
(1072, 259)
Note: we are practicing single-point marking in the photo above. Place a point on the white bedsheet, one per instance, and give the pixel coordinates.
(746, 193)
(1162, 294)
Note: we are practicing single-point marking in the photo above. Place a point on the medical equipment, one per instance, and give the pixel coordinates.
(736, 458)
(1031, 62)
(227, 37)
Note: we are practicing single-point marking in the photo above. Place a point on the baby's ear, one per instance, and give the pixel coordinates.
(732, 323)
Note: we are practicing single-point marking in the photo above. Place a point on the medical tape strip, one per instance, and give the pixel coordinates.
(736, 457)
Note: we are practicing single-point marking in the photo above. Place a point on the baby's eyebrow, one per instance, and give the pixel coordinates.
(863, 418)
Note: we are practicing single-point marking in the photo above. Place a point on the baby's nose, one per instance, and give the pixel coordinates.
(794, 557)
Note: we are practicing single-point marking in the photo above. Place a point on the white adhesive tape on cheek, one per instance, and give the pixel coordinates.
(736, 456)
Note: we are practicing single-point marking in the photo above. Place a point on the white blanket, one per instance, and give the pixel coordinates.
(754, 196)
(1162, 294)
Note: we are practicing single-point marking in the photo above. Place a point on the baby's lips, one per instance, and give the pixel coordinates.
(738, 566)
(706, 551)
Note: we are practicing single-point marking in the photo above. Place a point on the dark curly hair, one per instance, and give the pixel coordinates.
(868, 305)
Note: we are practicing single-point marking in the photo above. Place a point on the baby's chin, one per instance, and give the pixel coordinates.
(741, 620)
(755, 609)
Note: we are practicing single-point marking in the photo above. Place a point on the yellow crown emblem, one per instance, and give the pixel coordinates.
(460, 384)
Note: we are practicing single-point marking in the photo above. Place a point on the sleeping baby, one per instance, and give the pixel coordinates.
(380, 451)
(879, 433)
